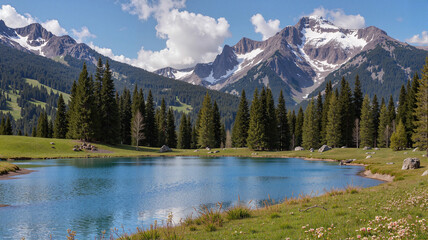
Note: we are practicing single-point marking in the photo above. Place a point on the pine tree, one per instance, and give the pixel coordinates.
(182, 133)
(206, 125)
(109, 110)
(291, 117)
(298, 127)
(271, 122)
(171, 135)
(137, 128)
(333, 136)
(366, 123)
(34, 132)
(283, 127)
(216, 125)
(194, 142)
(384, 129)
(50, 128)
(402, 106)
(8, 127)
(188, 132)
(241, 125)
(318, 115)
(82, 111)
(125, 117)
(256, 131)
(2, 126)
(358, 98)
(71, 111)
(375, 112)
(98, 127)
(310, 133)
(391, 111)
(137, 105)
(399, 138)
(411, 106)
(61, 125)
(223, 135)
(161, 123)
(420, 136)
(346, 113)
(42, 125)
(324, 117)
(150, 122)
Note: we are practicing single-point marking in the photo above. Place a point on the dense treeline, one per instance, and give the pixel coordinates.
(342, 117)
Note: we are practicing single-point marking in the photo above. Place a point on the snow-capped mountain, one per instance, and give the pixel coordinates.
(36, 39)
(298, 59)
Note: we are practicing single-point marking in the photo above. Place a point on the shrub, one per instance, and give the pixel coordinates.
(238, 212)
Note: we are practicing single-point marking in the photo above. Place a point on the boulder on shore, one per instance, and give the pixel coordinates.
(164, 149)
(324, 148)
(311, 150)
(411, 163)
(367, 148)
(299, 148)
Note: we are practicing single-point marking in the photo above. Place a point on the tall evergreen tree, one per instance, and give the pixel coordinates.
(271, 122)
(99, 73)
(241, 125)
(223, 135)
(256, 131)
(206, 125)
(171, 135)
(216, 125)
(291, 117)
(150, 122)
(161, 123)
(194, 139)
(138, 105)
(411, 106)
(333, 136)
(137, 128)
(34, 132)
(2, 125)
(391, 112)
(109, 110)
(125, 117)
(82, 108)
(384, 129)
(283, 127)
(310, 135)
(346, 113)
(8, 127)
(399, 138)
(298, 130)
(325, 110)
(50, 128)
(375, 112)
(420, 136)
(183, 142)
(402, 106)
(43, 125)
(366, 123)
(358, 98)
(61, 124)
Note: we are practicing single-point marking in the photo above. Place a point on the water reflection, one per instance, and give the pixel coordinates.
(95, 195)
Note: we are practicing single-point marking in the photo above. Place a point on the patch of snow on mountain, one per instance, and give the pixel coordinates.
(210, 78)
(182, 74)
(319, 38)
(23, 41)
(246, 59)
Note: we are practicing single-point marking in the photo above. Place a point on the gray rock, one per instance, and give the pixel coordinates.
(411, 163)
(405, 153)
(299, 149)
(341, 163)
(196, 150)
(389, 163)
(367, 148)
(370, 153)
(216, 151)
(377, 149)
(254, 153)
(344, 147)
(416, 149)
(369, 156)
(311, 150)
(324, 148)
(425, 173)
(208, 148)
(350, 160)
(52, 143)
(164, 149)
(75, 149)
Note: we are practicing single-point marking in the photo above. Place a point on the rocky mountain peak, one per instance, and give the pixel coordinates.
(34, 33)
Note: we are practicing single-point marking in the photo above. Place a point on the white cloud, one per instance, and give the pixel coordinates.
(190, 37)
(267, 29)
(13, 19)
(54, 27)
(82, 34)
(418, 39)
(339, 18)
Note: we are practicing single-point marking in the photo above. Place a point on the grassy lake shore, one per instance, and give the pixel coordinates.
(394, 209)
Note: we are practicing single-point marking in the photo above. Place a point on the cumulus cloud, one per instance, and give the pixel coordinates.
(54, 27)
(266, 29)
(419, 39)
(190, 37)
(13, 19)
(340, 18)
(83, 34)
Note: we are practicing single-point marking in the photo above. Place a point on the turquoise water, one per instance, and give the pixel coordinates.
(90, 196)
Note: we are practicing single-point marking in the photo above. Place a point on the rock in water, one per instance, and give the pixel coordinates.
(324, 148)
(425, 173)
(411, 163)
(164, 149)
(299, 149)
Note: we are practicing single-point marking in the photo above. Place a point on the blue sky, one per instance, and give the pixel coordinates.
(156, 33)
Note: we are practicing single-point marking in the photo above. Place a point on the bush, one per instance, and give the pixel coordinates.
(238, 212)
